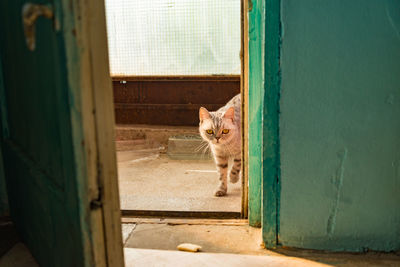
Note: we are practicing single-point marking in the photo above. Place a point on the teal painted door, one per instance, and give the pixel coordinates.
(40, 163)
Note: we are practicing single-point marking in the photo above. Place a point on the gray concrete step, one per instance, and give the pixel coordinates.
(179, 142)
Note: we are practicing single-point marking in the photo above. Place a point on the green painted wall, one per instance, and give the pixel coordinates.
(340, 124)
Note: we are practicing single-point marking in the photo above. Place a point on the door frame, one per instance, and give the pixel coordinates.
(92, 107)
(261, 88)
(264, 85)
(260, 91)
(261, 49)
(244, 91)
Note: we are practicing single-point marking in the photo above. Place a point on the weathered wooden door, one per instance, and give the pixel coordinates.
(58, 149)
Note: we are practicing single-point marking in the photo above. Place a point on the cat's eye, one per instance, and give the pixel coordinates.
(225, 131)
(209, 131)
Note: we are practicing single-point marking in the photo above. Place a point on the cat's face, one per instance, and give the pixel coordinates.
(217, 128)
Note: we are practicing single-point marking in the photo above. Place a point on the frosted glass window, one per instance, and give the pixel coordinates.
(173, 37)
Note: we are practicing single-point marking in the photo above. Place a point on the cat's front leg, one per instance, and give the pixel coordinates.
(235, 170)
(222, 167)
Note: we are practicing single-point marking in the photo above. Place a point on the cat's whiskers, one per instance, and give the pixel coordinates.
(205, 151)
(203, 148)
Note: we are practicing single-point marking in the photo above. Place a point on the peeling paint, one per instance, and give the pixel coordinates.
(337, 183)
(30, 14)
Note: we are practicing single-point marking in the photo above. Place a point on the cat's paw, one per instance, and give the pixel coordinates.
(220, 193)
(233, 178)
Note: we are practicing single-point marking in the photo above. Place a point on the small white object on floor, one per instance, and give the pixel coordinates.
(189, 247)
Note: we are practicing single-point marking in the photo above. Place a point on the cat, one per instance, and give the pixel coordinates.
(222, 130)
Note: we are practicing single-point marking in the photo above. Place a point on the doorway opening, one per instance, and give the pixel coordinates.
(168, 59)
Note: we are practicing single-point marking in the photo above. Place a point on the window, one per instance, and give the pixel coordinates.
(173, 37)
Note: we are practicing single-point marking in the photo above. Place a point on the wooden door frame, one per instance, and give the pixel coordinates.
(264, 29)
(260, 91)
(244, 80)
(261, 114)
(92, 87)
(91, 101)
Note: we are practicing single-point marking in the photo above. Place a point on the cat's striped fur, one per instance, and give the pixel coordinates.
(222, 130)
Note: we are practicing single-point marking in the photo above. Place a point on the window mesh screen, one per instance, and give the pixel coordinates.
(173, 37)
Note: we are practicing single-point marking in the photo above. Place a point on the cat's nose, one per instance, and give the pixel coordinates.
(218, 137)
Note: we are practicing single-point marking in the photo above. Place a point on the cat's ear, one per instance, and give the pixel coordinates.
(204, 114)
(230, 113)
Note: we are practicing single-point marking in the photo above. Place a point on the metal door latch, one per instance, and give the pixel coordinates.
(30, 13)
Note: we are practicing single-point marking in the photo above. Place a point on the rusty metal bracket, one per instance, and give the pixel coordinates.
(30, 13)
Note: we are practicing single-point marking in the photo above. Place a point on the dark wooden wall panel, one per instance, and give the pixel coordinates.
(169, 100)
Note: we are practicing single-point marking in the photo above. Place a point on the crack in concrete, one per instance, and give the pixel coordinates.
(392, 22)
(338, 182)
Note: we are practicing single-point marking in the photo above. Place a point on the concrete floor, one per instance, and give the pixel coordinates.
(18, 256)
(154, 243)
(150, 257)
(234, 239)
(224, 243)
(150, 180)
